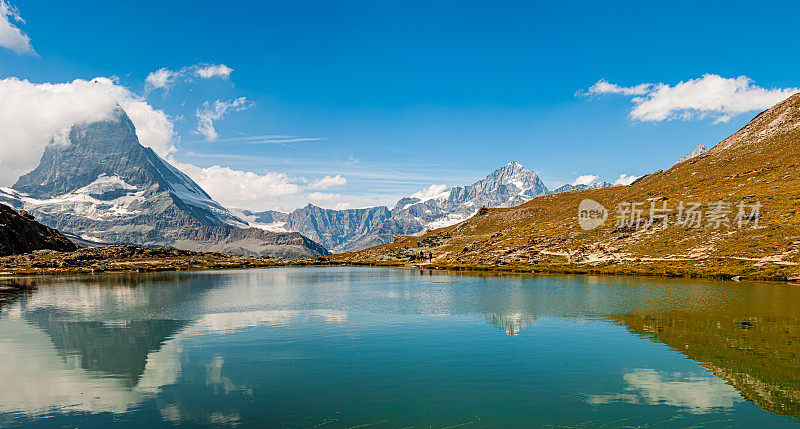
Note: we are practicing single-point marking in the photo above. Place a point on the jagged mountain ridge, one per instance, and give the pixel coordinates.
(103, 185)
(569, 187)
(355, 229)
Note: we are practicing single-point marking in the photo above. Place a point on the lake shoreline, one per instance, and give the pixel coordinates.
(121, 259)
(720, 271)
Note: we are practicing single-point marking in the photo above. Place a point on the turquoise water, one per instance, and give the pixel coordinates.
(372, 347)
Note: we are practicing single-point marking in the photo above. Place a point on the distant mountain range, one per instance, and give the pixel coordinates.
(568, 187)
(356, 229)
(103, 186)
(744, 190)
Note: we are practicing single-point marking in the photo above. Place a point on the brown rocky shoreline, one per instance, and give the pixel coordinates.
(128, 258)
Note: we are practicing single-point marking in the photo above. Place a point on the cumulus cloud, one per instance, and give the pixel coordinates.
(238, 188)
(431, 192)
(625, 179)
(208, 71)
(11, 36)
(211, 112)
(584, 179)
(710, 96)
(32, 115)
(164, 78)
(329, 182)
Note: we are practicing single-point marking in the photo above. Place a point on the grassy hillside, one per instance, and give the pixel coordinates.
(759, 163)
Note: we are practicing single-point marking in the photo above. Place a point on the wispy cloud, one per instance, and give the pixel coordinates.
(267, 139)
(710, 96)
(602, 86)
(208, 71)
(161, 78)
(210, 112)
(11, 36)
(165, 78)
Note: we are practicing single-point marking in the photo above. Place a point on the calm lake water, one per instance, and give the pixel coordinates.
(372, 347)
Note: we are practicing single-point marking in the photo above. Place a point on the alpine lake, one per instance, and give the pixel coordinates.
(353, 347)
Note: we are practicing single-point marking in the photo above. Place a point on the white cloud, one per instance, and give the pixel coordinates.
(208, 71)
(211, 112)
(161, 78)
(710, 96)
(431, 192)
(584, 179)
(33, 114)
(625, 179)
(324, 196)
(164, 78)
(238, 188)
(604, 87)
(342, 206)
(11, 36)
(329, 182)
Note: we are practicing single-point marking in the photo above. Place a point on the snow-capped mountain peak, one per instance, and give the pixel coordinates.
(526, 184)
(104, 186)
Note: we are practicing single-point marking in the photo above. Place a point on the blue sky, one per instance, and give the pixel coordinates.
(394, 96)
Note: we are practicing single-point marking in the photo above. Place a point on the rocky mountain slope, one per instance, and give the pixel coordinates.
(731, 211)
(20, 233)
(568, 187)
(355, 229)
(699, 150)
(102, 185)
(507, 186)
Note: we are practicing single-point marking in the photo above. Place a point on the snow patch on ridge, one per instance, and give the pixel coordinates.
(105, 184)
(271, 227)
(106, 197)
(450, 219)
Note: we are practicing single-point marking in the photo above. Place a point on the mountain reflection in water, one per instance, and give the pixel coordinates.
(145, 345)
